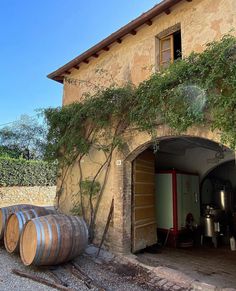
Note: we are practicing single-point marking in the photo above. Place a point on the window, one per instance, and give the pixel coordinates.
(170, 48)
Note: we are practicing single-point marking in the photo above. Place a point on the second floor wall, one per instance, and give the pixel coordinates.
(138, 56)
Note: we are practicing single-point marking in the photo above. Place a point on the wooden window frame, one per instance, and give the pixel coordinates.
(171, 49)
(161, 36)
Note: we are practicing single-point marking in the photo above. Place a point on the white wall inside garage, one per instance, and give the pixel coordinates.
(195, 160)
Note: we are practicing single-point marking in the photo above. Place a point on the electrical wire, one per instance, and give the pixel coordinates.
(4, 124)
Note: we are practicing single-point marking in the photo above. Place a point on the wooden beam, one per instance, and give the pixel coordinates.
(106, 48)
(149, 22)
(95, 55)
(75, 273)
(77, 67)
(107, 226)
(133, 32)
(86, 61)
(167, 11)
(86, 278)
(67, 72)
(40, 280)
(59, 78)
(119, 40)
(56, 278)
(189, 0)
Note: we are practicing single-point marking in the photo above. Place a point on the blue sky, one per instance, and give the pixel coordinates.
(37, 37)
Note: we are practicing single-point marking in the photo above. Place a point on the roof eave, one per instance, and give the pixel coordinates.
(146, 17)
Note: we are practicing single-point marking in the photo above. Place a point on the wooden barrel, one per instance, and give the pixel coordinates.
(15, 225)
(5, 212)
(53, 239)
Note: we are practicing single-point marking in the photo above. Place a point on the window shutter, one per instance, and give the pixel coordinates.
(166, 51)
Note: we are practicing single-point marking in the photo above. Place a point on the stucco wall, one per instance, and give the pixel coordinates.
(118, 185)
(133, 60)
(41, 196)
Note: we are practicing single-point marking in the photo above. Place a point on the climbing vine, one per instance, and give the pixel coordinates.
(197, 90)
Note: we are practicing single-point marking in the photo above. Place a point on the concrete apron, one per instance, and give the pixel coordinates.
(162, 277)
(178, 278)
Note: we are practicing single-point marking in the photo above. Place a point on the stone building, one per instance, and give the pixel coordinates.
(132, 54)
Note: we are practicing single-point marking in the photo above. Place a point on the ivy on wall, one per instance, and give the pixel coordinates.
(197, 90)
(20, 172)
(179, 96)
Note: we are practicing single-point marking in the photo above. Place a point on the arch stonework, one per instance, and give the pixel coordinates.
(218, 165)
(137, 143)
(140, 141)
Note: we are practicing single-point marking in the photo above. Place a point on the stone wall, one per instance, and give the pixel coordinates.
(37, 195)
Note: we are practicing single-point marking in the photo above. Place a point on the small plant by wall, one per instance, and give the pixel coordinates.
(20, 172)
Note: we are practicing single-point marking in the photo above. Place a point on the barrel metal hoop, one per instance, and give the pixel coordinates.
(83, 233)
(85, 228)
(81, 228)
(20, 219)
(40, 241)
(26, 212)
(35, 213)
(50, 238)
(38, 232)
(58, 238)
(43, 239)
(73, 238)
(4, 210)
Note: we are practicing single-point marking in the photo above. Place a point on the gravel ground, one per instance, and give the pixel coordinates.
(109, 276)
(9, 281)
(113, 276)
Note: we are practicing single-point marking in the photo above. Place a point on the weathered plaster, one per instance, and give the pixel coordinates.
(118, 184)
(133, 60)
(202, 21)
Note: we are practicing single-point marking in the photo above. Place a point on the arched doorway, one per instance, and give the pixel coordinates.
(184, 157)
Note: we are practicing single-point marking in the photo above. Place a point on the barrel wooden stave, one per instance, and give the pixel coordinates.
(53, 239)
(5, 212)
(15, 225)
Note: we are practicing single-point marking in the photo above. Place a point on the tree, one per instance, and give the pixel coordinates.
(26, 138)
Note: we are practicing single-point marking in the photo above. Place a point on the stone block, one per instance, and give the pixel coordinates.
(200, 286)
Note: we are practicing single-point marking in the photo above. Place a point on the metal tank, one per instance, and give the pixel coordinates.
(223, 199)
(234, 223)
(208, 222)
(213, 211)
